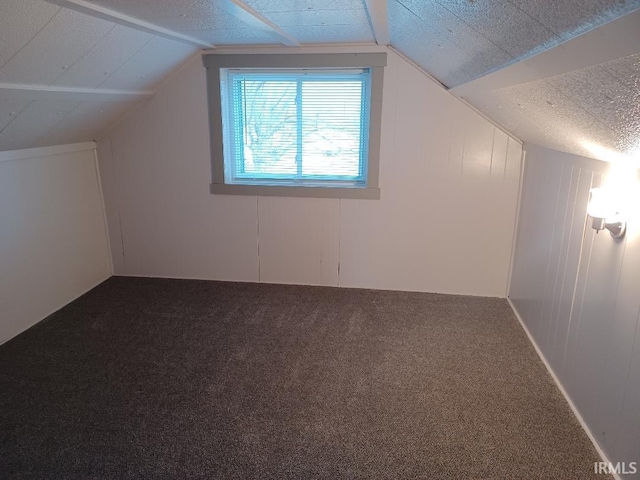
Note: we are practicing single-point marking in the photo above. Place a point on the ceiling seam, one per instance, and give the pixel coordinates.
(113, 16)
(61, 119)
(85, 53)
(126, 62)
(242, 11)
(584, 109)
(461, 20)
(32, 38)
(15, 117)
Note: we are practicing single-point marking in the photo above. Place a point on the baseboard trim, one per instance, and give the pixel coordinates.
(574, 409)
(51, 312)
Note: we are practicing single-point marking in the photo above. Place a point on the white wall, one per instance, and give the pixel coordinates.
(53, 243)
(578, 293)
(449, 181)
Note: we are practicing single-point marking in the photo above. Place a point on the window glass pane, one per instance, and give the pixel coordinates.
(331, 128)
(269, 128)
(297, 125)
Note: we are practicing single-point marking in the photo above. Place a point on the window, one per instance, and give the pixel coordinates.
(295, 125)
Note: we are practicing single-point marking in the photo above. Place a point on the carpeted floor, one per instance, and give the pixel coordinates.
(169, 379)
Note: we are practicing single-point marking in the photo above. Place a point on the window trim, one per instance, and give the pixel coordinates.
(375, 61)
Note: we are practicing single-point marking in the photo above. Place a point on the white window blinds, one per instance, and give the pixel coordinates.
(296, 126)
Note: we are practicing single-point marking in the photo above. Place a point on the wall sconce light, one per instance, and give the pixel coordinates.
(604, 211)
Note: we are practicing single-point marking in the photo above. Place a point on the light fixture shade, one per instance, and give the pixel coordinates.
(602, 204)
(604, 210)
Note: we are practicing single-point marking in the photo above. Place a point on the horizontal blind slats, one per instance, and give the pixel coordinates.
(268, 117)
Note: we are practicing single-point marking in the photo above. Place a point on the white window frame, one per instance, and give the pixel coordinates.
(373, 61)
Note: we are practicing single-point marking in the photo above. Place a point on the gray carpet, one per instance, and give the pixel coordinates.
(169, 379)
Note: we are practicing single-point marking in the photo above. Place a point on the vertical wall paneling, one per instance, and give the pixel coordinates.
(53, 242)
(578, 293)
(110, 195)
(449, 186)
(298, 240)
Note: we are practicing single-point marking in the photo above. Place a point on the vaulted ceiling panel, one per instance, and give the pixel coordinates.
(105, 58)
(508, 27)
(272, 6)
(61, 43)
(20, 22)
(185, 15)
(495, 33)
(237, 36)
(149, 65)
(463, 53)
(600, 93)
(10, 108)
(34, 122)
(70, 67)
(425, 45)
(569, 18)
(317, 21)
(201, 19)
(587, 111)
(84, 122)
(332, 33)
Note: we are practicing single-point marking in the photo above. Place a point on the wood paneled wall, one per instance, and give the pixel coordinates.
(449, 184)
(578, 293)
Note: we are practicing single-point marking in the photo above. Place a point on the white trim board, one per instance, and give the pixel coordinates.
(566, 396)
(377, 10)
(10, 155)
(70, 94)
(102, 13)
(104, 209)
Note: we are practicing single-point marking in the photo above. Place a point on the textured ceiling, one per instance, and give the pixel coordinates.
(69, 68)
(460, 40)
(197, 18)
(588, 111)
(45, 48)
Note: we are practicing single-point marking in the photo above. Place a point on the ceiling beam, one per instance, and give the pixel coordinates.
(379, 23)
(72, 94)
(255, 20)
(611, 41)
(97, 11)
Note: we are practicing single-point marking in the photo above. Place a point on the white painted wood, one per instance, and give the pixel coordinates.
(102, 13)
(45, 151)
(279, 50)
(377, 10)
(53, 242)
(578, 294)
(70, 94)
(170, 226)
(430, 231)
(255, 20)
(298, 240)
(566, 396)
(109, 184)
(616, 39)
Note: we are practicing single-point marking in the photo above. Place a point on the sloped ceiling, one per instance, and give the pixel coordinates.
(561, 74)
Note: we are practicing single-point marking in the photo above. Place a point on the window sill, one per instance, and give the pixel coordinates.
(362, 193)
